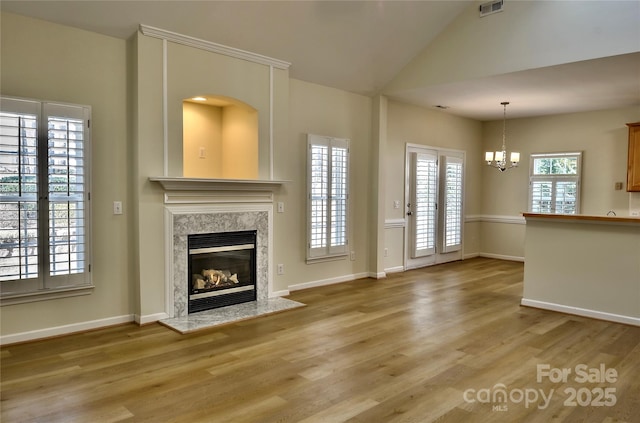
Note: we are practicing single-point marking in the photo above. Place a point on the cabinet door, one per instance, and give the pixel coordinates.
(633, 169)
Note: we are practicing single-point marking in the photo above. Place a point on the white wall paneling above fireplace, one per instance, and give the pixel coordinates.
(183, 220)
(218, 49)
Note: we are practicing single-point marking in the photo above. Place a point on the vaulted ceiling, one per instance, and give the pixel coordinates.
(359, 46)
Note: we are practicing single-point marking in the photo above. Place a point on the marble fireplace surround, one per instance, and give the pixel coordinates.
(216, 222)
(190, 218)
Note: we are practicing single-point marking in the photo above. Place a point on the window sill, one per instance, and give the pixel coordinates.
(44, 295)
(322, 259)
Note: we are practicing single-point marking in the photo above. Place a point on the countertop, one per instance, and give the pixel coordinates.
(583, 217)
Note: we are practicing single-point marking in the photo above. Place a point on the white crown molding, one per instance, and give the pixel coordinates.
(212, 47)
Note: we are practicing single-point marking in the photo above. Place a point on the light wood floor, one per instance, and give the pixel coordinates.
(416, 347)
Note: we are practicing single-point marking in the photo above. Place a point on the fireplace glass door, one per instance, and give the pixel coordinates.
(222, 269)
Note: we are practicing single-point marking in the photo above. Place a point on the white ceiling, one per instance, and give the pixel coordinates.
(358, 46)
(606, 83)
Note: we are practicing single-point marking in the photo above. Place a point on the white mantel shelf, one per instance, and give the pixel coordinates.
(206, 184)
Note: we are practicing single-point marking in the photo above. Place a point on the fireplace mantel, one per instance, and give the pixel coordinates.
(207, 184)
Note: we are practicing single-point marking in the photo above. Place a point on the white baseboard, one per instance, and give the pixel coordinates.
(64, 330)
(150, 318)
(501, 257)
(584, 312)
(495, 256)
(395, 269)
(282, 293)
(330, 281)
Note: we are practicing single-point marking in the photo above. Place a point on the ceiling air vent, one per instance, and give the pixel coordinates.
(491, 7)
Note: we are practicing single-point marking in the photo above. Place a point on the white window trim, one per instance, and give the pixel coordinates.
(327, 253)
(82, 283)
(556, 177)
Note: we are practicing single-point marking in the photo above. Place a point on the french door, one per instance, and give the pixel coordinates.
(434, 198)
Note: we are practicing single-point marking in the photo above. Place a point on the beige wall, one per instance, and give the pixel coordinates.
(600, 135)
(229, 137)
(239, 143)
(202, 129)
(416, 125)
(324, 111)
(52, 62)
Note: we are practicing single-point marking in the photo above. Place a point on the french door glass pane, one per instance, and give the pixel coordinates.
(425, 203)
(453, 204)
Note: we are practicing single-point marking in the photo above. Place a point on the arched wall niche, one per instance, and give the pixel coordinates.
(220, 138)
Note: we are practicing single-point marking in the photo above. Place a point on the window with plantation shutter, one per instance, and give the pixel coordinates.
(328, 196)
(554, 183)
(44, 197)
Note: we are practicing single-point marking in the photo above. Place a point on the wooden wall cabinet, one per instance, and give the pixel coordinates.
(633, 167)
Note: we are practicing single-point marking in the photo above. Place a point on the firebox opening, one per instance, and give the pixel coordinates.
(222, 269)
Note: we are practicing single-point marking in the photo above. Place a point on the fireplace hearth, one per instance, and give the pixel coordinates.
(221, 270)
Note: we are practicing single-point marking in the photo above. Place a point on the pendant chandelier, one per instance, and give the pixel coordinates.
(499, 160)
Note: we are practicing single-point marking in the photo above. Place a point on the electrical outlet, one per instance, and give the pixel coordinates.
(396, 204)
(117, 207)
(386, 252)
(280, 207)
(280, 269)
(353, 256)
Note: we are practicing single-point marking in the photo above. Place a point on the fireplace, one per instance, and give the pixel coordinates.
(221, 269)
(188, 217)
